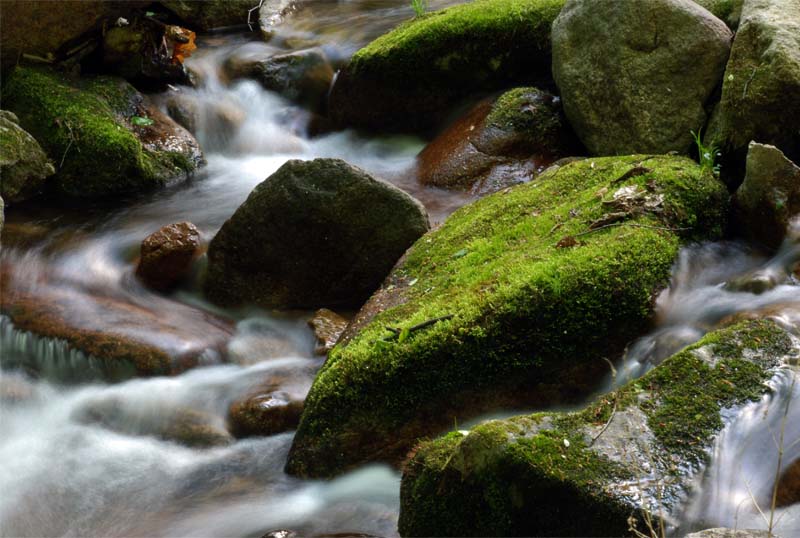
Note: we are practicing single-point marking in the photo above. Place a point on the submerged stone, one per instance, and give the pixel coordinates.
(514, 300)
(167, 255)
(104, 135)
(594, 472)
(412, 77)
(636, 76)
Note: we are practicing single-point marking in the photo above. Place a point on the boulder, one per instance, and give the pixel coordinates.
(272, 14)
(328, 326)
(513, 301)
(411, 78)
(720, 532)
(210, 14)
(761, 86)
(106, 137)
(636, 76)
(315, 233)
(521, 131)
(167, 255)
(264, 414)
(23, 164)
(769, 197)
(728, 11)
(596, 471)
(788, 490)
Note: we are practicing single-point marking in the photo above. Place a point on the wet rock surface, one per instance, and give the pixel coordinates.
(167, 255)
(328, 326)
(498, 143)
(636, 76)
(264, 414)
(210, 14)
(23, 164)
(327, 234)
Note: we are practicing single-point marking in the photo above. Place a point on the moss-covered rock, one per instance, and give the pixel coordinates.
(586, 473)
(542, 281)
(102, 133)
(636, 76)
(498, 143)
(729, 11)
(410, 78)
(210, 14)
(23, 164)
(761, 87)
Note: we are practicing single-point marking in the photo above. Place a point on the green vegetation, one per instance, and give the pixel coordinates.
(707, 155)
(542, 475)
(419, 7)
(540, 290)
(84, 126)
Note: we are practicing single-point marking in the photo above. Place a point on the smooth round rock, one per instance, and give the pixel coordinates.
(167, 255)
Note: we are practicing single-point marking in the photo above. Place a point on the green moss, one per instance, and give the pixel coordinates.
(522, 478)
(417, 38)
(82, 126)
(525, 309)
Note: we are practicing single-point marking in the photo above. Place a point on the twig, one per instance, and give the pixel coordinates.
(251, 10)
(396, 332)
(780, 457)
(749, 80)
(633, 225)
(608, 423)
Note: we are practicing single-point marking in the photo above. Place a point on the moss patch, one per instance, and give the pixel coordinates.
(538, 476)
(411, 77)
(84, 127)
(534, 303)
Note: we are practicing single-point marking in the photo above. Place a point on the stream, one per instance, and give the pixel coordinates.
(64, 475)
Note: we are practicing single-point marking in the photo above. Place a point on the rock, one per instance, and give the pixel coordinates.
(761, 86)
(148, 52)
(729, 11)
(2, 213)
(585, 473)
(315, 233)
(788, 491)
(530, 320)
(107, 138)
(210, 14)
(411, 78)
(123, 337)
(729, 533)
(273, 13)
(167, 255)
(522, 130)
(183, 425)
(215, 122)
(23, 164)
(328, 326)
(264, 414)
(50, 29)
(770, 195)
(636, 76)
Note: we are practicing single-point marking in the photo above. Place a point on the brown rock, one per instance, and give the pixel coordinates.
(264, 414)
(167, 255)
(789, 486)
(328, 326)
(498, 143)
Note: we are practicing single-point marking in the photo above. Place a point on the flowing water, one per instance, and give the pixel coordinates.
(66, 474)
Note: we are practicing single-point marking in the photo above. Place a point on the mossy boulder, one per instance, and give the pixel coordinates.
(586, 473)
(497, 143)
(106, 138)
(412, 77)
(542, 281)
(761, 87)
(729, 11)
(23, 164)
(314, 233)
(769, 197)
(636, 76)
